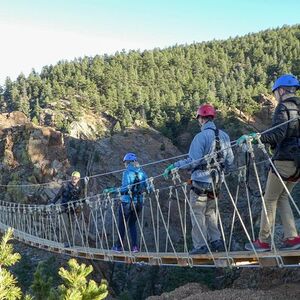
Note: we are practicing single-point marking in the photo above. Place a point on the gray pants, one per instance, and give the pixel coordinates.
(204, 220)
(276, 196)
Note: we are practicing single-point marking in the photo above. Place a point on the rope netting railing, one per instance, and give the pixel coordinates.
(90, 227)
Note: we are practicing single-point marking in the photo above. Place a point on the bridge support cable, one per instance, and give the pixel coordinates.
(234, 212)
(93, 210)
(103, 217)
(239, 216)
(141, 226)
(263, 148)
(192, 213)
(248, 203)
(164, 223)
(229, 261)
(168, 217)
(183, 219)
(182, 215)
(153, 225)
(271, 224)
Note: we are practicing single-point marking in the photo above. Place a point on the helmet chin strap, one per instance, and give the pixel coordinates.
(279, 96)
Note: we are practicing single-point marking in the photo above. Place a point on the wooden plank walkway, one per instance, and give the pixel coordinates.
(289, 258)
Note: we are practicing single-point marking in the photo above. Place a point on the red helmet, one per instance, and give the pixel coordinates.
(206, 110)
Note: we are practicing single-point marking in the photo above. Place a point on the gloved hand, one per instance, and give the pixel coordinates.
(168, 170)
(150, 189)
(109, 190)
(244, 138)
(244, 147)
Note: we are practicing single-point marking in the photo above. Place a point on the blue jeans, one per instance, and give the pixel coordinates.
(130, 217)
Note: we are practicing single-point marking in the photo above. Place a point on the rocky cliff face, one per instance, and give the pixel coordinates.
(195, 291)
(31, 154)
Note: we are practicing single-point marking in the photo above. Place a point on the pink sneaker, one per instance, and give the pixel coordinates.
(291, 244)
(135, 249)
(258, 246)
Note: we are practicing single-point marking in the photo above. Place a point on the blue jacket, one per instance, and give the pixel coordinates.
(129, 177)
(202, 144)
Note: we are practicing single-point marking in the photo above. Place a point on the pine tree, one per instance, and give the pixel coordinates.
(8, 287)
(117, 128)
(151, 85)
(76, 286)
(42, 282)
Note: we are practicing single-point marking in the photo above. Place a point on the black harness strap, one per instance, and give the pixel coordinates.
(296, 148)
(288, 112)
(220, 156)
(136, 192)
(203, 167)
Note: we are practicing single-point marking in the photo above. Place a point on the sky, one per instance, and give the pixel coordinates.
(35, 33)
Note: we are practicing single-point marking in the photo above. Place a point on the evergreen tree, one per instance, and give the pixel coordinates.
(151, 85)
(8, 287)
(42, 282)
(76, 286)
(117, 128)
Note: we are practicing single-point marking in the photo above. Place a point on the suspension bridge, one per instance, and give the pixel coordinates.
(163, 223)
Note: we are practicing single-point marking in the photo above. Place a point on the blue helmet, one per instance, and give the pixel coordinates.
(286, 80)
(129, 157)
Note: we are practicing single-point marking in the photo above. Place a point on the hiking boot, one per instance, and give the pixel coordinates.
(117, 249)
(258, 246)
(200, 250)
(217, 246)
(135, 249)
(291, 244)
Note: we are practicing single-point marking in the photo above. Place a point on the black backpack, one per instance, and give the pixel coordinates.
(136, 191)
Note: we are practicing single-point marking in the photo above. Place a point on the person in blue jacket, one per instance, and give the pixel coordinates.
(134, 184)
(203, 204)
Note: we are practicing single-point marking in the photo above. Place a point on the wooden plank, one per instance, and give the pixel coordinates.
(291, 260)
(271, 261)
(184, 262)
(240, 258)
(155, 261)
(224, 262)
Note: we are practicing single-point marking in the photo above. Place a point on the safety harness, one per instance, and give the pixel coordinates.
(136, 191)
(71, 193)
(217, 165)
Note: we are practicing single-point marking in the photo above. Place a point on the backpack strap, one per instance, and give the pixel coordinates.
(291, 100)
(136, 187)
(296, 176)
(218, 148)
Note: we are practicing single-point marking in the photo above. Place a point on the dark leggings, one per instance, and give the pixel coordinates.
(130, 218)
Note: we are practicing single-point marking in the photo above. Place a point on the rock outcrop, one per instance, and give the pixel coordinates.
(31, 154)
(195, 291)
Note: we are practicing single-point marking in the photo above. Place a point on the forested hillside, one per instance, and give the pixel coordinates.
(162, 87)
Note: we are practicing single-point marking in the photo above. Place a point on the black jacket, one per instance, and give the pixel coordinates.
(69, 192)
(285, 140)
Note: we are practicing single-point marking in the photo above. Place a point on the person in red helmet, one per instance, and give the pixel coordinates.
(204, 219)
